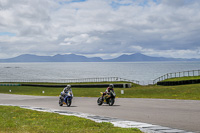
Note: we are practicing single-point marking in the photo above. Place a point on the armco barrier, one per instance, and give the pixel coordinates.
(81, 80)
(183, 82)
(191, 73)
(126, 85)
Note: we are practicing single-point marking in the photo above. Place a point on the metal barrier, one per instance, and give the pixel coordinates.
(177, 74)
(82, 80)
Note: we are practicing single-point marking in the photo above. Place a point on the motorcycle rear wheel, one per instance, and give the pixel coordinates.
(60, 102)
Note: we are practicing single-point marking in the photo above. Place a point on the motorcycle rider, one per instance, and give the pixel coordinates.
(110, 87)
(65, 91)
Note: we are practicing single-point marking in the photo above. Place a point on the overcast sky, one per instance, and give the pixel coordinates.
(103, 28)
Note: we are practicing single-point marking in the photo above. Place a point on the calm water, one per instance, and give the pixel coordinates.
(142, 71)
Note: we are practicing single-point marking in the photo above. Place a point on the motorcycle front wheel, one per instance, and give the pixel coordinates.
(111, 101)
(99, 101)
(69, 101)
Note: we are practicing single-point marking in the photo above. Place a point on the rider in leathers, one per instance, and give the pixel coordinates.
(110, 87)
(66, 90)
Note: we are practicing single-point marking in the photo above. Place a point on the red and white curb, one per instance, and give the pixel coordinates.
(144, 127)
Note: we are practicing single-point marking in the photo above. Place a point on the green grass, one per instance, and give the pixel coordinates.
(50, 91)
(18, 120)
(189, 92)
(29, 90)
(182, 78)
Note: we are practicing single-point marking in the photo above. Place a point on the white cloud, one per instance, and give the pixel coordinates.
(100, 27)
(80, 39)
(173, 53)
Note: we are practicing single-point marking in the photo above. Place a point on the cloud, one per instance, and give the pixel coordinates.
(100, 27)
(80, 39)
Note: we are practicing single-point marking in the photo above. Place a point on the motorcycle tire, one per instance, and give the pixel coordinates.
(60, 102)
(99, 101)
(111, 101)
(68, 102)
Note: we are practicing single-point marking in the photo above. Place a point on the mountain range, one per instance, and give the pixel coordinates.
(137, 57)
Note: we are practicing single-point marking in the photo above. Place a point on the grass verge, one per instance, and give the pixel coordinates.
(188, 92)
(18, 120)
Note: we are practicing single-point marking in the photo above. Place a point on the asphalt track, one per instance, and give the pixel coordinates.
(177, 114)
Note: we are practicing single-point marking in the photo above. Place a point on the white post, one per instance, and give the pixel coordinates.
(9, 90)
(122, 91)
(42, 91)
(124, 85)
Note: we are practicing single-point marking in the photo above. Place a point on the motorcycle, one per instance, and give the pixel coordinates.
(109, 98)
(67, 99)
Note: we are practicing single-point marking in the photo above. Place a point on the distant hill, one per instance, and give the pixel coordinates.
(56, 58)
(141, 57)
(78, 58)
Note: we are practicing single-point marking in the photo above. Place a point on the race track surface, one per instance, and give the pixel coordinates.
(177, 114)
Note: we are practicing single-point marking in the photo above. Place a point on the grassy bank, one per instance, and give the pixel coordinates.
(182, 78)
(17, 120)
(191, 92)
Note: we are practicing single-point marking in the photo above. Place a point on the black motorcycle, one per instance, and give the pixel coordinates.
(109, 98)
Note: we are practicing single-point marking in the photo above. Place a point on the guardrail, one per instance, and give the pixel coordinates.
(177, 74)
(82, 80)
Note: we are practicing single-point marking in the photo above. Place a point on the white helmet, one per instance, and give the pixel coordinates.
(68, 86)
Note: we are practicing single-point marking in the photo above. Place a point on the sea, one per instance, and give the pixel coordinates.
(144, 72)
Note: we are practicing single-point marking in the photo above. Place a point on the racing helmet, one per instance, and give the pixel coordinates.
(68, 87)
(111, 86)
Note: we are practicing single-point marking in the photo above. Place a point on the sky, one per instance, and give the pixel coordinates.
(100, 28)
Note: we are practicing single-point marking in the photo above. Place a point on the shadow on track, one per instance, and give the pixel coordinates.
(69, 106)
(109, 106)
